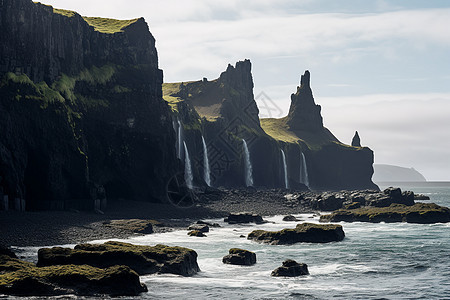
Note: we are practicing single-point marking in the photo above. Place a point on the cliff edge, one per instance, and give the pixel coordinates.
(82, 109)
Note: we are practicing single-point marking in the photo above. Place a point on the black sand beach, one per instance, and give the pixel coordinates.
(64, 227)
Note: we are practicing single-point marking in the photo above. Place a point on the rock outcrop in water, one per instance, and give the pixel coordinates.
(240, 257)
(22, 278)
(81, 109)
(142, 259)
(302, 233)
(291, 268)
(421, 213)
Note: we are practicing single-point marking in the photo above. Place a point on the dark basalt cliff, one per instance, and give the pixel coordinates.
(224, 112)
(81, 106)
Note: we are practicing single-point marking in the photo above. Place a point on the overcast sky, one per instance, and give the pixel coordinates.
(379, 67)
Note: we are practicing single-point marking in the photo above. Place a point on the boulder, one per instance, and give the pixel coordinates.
(243, 217)
(131, 225)
(142, 259)
(290, 218)
(305, 232)
(199, 227)
(208, 223)
(423, 213)
(22, 278)
(328, 202)
(421, 197)
(291, 268)
(196, 233)
(240, 257)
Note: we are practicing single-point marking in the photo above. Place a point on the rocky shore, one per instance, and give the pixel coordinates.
(122, 220)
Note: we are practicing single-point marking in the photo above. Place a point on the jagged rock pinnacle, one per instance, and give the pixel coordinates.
(356, 141)
(304, 114)
(305, 79)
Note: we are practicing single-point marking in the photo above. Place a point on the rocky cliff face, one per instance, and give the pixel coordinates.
(304, 113)
(225, 113)
(81, 107)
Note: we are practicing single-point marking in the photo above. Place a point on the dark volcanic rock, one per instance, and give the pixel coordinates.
(142, 259)
(291, 268)
(81, 109)
(327, 202)
(199, 227)
(356, 141)
(304, 114)
(244, 218)
(424, 213)
(305, 232)
(240, 257)
(290, 218)
(196, 233)
(24, 279)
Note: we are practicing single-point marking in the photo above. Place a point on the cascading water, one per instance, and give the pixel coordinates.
(180, 138)
(248, 165)
(206, 163)
(286, 182)
(304, 171)
(188, 177)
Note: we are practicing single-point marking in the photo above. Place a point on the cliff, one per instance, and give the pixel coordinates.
(390, 173)
(225, 113)
(331, 164)
(81, 106)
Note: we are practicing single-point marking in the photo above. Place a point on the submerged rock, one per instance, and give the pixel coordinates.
(243, 217)
(22, 278)
(199, 227)
(290, 218)
(423, 213)
(305, 232)
(240, 257)
(196, 233)
(291, 268)
(142, 259)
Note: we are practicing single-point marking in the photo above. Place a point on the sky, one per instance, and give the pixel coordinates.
(379, 67)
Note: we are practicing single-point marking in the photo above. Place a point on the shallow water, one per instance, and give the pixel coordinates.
(374, 261)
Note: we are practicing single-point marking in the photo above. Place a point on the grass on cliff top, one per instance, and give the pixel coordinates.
(106, 25)
(64, 12)
(279, 130)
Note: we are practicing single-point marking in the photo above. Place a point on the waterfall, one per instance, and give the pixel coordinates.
(248, 165)
(304, 171)
(206, 163)
(180, 138)
(188, 177)
(286, 182)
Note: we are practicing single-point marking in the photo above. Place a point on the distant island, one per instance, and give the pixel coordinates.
(383, 173)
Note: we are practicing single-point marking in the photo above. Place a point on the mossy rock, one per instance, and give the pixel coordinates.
(142, 259)
(132, 225)
(305, 232)
(241, 257)
(291, 268)
(422, 213)
(22, 278)
(196, 233)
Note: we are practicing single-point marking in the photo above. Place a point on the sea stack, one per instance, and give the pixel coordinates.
(356, 141)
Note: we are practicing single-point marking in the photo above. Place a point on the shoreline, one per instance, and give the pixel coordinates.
(48, 228)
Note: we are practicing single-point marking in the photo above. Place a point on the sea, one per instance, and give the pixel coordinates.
(374, 261)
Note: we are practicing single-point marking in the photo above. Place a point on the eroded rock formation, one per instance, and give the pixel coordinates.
(81, 109)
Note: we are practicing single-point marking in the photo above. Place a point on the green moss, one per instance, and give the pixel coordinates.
(121, 89)
(64, 12)
(417, 213)
(97, 75)
(106, 25)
